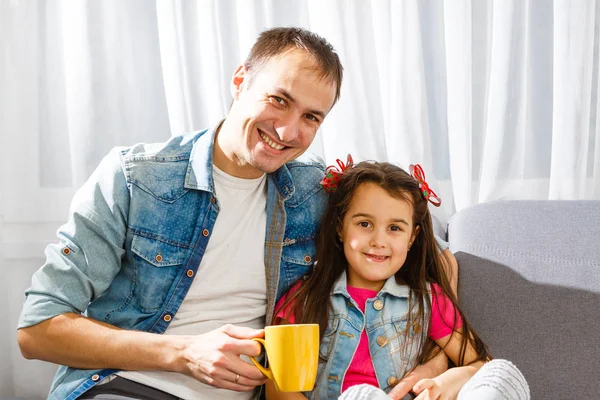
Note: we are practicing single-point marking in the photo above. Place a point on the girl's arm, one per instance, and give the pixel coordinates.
(438, 364)
(432, 368)
(450, 382)
(451, 269)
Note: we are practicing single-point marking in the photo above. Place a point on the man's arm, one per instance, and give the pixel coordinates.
(81, 267)
(81, 342)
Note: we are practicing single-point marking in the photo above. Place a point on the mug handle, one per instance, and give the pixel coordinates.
(266, 371)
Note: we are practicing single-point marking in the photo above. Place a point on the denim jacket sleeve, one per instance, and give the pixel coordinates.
(87, 257)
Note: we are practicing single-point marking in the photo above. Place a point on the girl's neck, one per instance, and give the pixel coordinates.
(373, 286)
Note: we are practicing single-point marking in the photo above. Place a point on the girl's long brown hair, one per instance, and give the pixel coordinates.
(311, 303)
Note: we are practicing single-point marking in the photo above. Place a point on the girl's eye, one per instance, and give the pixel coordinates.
(364, 224)
(395, 228)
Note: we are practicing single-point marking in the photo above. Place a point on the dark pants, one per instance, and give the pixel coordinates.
(124, 389)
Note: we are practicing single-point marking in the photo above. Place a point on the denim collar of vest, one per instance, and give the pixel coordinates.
(200, 170)
(390, 287)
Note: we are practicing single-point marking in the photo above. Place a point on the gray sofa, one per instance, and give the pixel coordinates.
(529, 282)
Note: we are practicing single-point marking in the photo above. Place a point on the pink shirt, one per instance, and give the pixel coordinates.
(361, 367)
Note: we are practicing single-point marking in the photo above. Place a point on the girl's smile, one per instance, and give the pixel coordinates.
(376, 258)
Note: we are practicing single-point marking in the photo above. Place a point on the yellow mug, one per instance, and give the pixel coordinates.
(293, 356)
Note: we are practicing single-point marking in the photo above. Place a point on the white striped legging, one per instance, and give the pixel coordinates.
(496, 380)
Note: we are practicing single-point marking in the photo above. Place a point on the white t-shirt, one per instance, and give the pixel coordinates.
(230, 285)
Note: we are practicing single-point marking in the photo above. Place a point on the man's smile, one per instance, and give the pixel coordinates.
(266, 139)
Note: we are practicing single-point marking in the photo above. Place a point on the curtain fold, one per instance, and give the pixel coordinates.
(573, 60)
(496, 99)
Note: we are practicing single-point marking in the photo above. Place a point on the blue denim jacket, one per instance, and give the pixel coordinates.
(142, 222)
(385, 320)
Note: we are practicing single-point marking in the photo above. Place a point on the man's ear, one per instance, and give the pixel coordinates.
(237, 81)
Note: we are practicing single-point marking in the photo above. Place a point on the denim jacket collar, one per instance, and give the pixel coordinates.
(199, 174)
(390, 287)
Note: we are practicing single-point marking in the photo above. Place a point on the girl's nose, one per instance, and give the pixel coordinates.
(378, 239)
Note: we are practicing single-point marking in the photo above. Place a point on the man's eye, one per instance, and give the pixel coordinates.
(279, 100)
(312, 118)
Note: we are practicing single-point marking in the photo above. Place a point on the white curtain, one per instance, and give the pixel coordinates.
(496, 99)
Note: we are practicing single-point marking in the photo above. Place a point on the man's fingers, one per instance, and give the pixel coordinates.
(245, 381)
(238, 387)
(231, 381)
(249, 371)
(243, 347)
(242, 332)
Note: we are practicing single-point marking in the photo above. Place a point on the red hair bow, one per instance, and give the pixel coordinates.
(417, 172)
(333, 174)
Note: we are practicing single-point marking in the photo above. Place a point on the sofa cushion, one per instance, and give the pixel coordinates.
(529, 282)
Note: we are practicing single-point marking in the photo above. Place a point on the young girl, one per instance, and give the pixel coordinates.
(379, 290)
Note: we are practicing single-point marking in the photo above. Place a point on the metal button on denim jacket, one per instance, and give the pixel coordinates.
(140, 225)
(386, 332)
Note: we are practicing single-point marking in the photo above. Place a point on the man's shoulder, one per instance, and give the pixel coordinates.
(177, 148)
(160, 168)
(306, 173)
(307, 168)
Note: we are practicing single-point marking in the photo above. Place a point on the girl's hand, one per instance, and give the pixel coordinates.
(429, 389)
(447, 385)
(431, 369)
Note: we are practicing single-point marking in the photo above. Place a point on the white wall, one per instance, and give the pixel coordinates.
(25, 385)
(21, 257)
(5, 368)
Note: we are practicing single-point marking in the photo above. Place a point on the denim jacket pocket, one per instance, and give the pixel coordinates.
(297, 259)
(161, 177)
(156, 266)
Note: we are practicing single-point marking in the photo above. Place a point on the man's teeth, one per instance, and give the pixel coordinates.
(270, 142)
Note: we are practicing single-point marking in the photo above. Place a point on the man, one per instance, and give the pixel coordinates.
(175, 253)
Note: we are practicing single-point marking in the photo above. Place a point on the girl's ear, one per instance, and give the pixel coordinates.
(237, 81)
(414, 235)
(338, 230)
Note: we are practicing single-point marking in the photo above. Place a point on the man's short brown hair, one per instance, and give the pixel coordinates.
(276, 41)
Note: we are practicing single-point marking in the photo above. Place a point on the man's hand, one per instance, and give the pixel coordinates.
(434, 367)
(214, 358)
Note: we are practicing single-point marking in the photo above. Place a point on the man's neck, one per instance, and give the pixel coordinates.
(225, 158)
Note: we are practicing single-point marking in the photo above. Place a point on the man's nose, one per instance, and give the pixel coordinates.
(288, 130)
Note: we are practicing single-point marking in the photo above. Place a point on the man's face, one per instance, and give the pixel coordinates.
(275, 114)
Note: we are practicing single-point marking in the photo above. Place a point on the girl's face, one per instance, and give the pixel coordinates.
(376, 233)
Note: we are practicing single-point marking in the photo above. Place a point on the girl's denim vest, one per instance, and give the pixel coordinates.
(394, 350)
